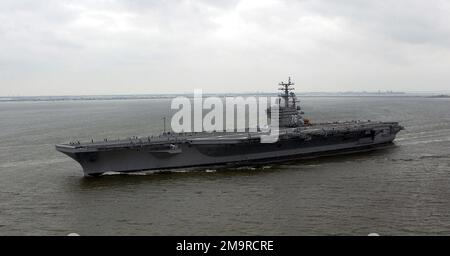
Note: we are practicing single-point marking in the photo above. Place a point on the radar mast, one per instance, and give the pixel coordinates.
(285, 88)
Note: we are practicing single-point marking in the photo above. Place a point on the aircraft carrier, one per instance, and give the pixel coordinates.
(297, 138)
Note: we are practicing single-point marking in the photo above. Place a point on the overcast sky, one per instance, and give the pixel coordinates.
(142, 46)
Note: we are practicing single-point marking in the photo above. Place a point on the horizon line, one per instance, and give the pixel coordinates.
(223, 93)
(382, 92)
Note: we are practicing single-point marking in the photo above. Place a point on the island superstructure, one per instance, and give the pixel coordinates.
(298, 138)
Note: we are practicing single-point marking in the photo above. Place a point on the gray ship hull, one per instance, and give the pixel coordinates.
(203, 149)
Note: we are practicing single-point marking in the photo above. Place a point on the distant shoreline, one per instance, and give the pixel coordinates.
(439, 96)
(166, 96)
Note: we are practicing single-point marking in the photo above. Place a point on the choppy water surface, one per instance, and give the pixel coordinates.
(400, 190)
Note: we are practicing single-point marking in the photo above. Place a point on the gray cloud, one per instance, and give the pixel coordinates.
(136, 46)
(410, 21)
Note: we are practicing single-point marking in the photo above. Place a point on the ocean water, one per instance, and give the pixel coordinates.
(400, 190)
